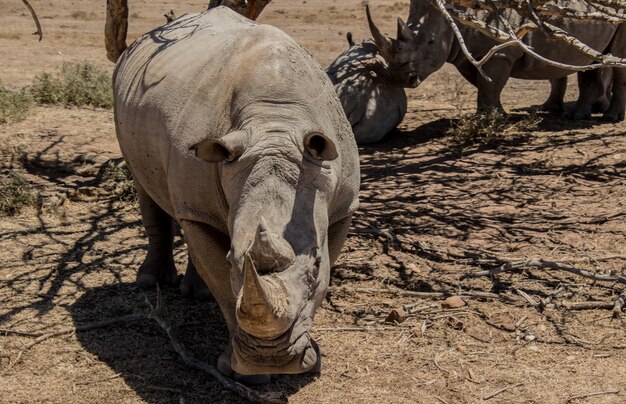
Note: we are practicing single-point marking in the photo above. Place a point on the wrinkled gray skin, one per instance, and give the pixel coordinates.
(373, 102)
(233, 130)
(433, 44)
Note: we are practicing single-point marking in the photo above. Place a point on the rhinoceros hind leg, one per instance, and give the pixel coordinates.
(554, 103)
(590, 89)
(158, 266)
(615, 113)
(192, 286)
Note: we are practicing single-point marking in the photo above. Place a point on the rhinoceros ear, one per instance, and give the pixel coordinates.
(320, 147)
(404, 32)
(226, 148)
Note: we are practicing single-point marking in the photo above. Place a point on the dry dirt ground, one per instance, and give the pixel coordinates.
(430, 213)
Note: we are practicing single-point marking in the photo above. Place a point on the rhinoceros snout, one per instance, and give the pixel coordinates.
(413, 80)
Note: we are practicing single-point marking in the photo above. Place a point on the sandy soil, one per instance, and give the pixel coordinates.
(430, 213)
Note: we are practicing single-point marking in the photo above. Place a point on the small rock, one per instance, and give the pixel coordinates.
(453, 302)
(396, 316)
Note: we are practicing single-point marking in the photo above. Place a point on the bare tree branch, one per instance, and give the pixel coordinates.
(535, 14)
(39, 32)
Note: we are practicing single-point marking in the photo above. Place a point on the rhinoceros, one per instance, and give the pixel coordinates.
(432, 43)
(234, 131)
(374, 102)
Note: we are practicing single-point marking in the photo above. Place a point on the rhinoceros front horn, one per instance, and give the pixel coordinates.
(384, 43)
(262, 309)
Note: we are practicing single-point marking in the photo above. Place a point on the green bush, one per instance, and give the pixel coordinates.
(16, 193)
(14, 105)
(76, 84)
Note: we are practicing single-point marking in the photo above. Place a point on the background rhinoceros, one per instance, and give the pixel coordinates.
(433, 44)
(233, 130)
(371, 98)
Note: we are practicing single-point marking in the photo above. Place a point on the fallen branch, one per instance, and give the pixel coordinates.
(541, 263)
(587, 305)
(599, 393)
(7, 331)
(360, 329)
(192, 361)
(71, 330)
(400, 292)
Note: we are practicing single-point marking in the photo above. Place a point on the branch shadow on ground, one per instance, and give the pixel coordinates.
(532, 192)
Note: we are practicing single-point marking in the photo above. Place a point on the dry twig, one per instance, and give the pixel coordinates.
(502, 390)
(401, 292)
(599, 393)
(156, 313)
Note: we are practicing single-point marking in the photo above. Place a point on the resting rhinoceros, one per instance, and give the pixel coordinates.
(433, 44)
(371, 97)
(233, 130)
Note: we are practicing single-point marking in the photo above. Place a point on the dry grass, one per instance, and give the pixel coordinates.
(77, 84)
(14, 105)
(489, 127)
(16, 193)
(117, 179)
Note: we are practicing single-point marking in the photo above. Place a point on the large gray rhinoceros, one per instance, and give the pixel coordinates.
(371, 98)
(232, 129)
(433, 44)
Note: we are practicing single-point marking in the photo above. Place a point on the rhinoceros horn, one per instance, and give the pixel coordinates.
(404, 32)
(384, 43)
(270, 252)
(263, 307)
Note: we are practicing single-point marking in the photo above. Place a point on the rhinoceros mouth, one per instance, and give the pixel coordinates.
(287, 354)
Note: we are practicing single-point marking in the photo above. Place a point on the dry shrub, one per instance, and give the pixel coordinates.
(116, 178)
(14, 105)
(77, 84)
(489, 127)
(16, 193)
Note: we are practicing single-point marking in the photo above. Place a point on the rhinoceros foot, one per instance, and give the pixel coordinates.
(578, 115)
(611, 116)
(553, 107)
(156, 269)
(223, 366)
(602, 105)
(192, 286)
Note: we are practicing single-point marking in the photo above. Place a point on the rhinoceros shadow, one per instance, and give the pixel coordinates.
(141, 353)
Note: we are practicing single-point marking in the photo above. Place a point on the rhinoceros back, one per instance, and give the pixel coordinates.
(187, 81)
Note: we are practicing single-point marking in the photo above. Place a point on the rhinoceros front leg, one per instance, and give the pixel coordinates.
(489, 93)
(192, 285)
(208, 249)
(158, 266)
(554, 103)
